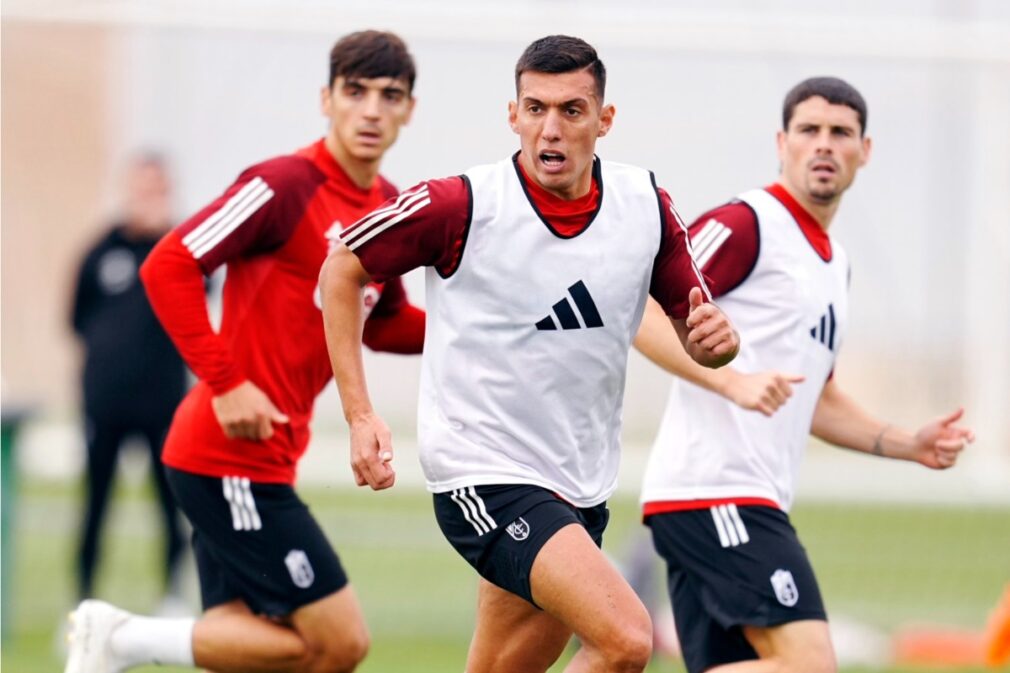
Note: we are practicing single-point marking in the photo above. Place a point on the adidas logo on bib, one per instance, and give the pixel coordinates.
(566, 314)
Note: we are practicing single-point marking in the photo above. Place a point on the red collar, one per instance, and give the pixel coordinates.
(337, 178)
(811, 228)
(568, 218)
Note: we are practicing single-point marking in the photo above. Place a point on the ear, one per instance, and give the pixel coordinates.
(514, 116)
(780, 143)
(867, 150)
(410, 110)
(326, 101)
(606, 120)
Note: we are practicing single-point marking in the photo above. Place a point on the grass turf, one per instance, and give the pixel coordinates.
(884, 565)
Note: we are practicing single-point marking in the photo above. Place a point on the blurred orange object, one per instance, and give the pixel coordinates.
(939, 645)
(997, 632)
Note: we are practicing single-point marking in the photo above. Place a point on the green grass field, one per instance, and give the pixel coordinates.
(882, 565)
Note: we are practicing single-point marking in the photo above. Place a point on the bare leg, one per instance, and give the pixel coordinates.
(796, 647)
(512, 635)
(588, 597)
(327, 635)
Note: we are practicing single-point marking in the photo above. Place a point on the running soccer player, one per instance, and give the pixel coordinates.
(538, 268)
(720, 480)
(274, 593)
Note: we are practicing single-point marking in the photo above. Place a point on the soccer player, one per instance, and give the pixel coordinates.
(720, 479)
(133, 377)
(538, 268)
(274, 593)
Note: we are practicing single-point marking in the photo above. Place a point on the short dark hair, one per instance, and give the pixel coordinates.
(561, 53)
(372, 53)
(832, 89)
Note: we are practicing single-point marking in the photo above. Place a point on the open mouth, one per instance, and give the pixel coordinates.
(552, 159)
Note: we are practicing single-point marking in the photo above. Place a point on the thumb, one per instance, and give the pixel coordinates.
(695, 298)
(277, 416)
(795, 378)
(952, 417)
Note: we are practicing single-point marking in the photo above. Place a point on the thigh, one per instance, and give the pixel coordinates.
(574, 582)
(332, 623)
(741, 567)
(704, 642)
(260, 540)
(499, 530)
(513, 635)
(104, 440)
(805, 644)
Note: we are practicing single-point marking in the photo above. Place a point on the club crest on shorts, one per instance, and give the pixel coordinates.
(518, 529)
(785, 588)
(300, 568)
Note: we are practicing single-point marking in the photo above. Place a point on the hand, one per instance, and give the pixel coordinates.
(939, 443)
(712, 341)
(372, 452)
(245, 412)
(763, 391)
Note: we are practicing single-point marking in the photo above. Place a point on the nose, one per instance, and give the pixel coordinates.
(551, 131)
(372, 105)
(824, 142)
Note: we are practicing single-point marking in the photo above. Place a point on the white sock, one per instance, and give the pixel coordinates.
(154, 640)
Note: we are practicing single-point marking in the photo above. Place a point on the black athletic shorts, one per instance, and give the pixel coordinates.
(729, 567)
(255, 542)
(499, 530)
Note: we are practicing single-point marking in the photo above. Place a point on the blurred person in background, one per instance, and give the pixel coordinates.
(538, 268)
(274, 592)
(721, 476)
(133, 377)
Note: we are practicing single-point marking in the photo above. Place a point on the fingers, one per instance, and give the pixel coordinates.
(695, 298)
(371, 456)
(952, 417)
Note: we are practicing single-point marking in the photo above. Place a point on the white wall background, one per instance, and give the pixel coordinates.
(698, 89)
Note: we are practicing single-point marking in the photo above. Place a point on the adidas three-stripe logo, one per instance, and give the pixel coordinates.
(708, 240)
(228, 218)
(382, 219)
(474, 510)
(566, 314)
(729, 526)
(238, 493)
(824, 331)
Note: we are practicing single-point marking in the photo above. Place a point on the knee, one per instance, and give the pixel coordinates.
(342, 655)
(629, 648)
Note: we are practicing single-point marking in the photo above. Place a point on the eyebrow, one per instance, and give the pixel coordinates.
(395, 87)
(567, 103)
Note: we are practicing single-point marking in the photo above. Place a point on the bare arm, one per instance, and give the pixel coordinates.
(840, 420)
(764, 391)
(340, 282)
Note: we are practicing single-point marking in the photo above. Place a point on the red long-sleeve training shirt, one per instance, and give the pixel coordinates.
(272, 229)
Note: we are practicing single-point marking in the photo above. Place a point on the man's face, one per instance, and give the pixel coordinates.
(148, 197)
(366, 114)
(821, 150)
(558, 118)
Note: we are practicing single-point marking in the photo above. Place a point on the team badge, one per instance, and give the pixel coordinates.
(518, 529)
(785, 588)
(300, 568)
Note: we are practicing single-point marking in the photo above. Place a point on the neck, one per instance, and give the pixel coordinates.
(821, 211)
(361, 172)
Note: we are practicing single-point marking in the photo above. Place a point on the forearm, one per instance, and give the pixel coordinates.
(658, 340)
(840, 420)
(341, 280)
(175, 288)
